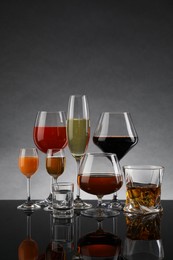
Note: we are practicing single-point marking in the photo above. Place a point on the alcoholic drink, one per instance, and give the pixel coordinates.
(99, 244)
(119, 145)
(101, 184)
(49, 137)
(147, 195)
(28, 165)
(78, 136)
(55, 166)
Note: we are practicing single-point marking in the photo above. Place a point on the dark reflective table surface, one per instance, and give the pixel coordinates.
(40, 236)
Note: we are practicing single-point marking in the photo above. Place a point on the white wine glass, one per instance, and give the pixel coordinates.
(78, 134)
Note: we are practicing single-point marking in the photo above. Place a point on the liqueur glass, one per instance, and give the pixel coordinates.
(115, 133)
(55, 166)
(100, 174)
(78, 134)
(28, 163)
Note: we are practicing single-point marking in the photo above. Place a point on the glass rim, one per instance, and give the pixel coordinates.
(101, 153)
(114, 112)
(50, 112)
(143, 167)
(63, 183)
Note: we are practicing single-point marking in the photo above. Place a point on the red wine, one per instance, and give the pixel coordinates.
(119, 145)
(99, 244)
(50, 137)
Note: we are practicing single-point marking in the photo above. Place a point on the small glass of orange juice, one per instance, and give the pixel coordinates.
(28, 163)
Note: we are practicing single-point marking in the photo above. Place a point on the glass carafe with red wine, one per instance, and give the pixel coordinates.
(115, 133)
(50, 133)
(100, 174)
(78, 134)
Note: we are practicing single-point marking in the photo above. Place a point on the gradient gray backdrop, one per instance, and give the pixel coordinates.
(118, 53)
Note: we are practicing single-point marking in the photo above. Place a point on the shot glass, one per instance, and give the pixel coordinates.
(143, 188)
(63, 199)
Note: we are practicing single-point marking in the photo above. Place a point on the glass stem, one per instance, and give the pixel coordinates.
(28, 226)
(28, 190)
(77, 189)
(99, 202)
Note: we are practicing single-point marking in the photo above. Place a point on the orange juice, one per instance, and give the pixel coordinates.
(28, 165)
(28, 250)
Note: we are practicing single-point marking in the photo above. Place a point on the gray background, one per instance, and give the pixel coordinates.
(118, 53)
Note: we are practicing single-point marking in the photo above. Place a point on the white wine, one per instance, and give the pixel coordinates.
(78, 132)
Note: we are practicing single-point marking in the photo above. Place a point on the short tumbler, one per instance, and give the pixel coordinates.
(62, 200)
(143, 188)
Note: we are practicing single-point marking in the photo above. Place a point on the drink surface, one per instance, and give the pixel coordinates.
(119, 145)
(147, 195)
(55, 166)
(100, 185)
(28, 165)
(50, 137)
(78, 131)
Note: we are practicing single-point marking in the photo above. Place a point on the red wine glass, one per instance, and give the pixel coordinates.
(100, 174)
(50, 133)
(115, 133)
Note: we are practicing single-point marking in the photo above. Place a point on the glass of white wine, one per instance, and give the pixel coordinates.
(78, 134)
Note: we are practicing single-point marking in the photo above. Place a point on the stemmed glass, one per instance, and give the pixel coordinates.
(50, 133)
(115, 133)
(55, 165)
(28, 248)
(78, 134)
(100, 174)
(28, 163)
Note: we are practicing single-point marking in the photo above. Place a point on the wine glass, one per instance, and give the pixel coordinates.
(28, 163)
(115, 133)
(99, 244)
(100, 174)
(28, 248)
(55, 165)
(78, 134)
(50, 133)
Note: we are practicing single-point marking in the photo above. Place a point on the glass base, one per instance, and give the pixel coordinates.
(113, 204)
(48, 208)
(29, 206)
(80, 204)
(45, 202)
(100, 213)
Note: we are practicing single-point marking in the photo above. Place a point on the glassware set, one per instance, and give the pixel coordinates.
(98, 173)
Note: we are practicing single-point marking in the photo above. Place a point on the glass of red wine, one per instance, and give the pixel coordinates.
(50, 133)
(100, 174)
(115, 133)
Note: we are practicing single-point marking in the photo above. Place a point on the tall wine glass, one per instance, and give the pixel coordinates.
(55, 165)
(115, 133)
(100, 174)
(28, 163)
(50, 133)
(78, 134)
